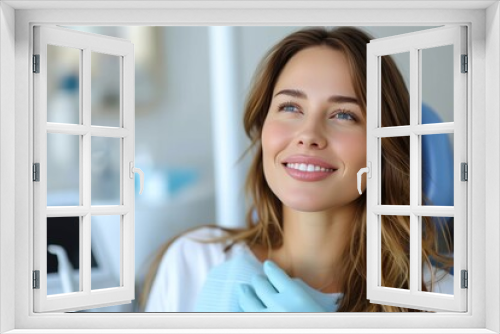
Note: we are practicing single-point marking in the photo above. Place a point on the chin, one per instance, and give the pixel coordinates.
(306, 204)
(315, 203)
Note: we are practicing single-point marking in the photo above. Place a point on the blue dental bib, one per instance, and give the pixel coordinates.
(219, 292)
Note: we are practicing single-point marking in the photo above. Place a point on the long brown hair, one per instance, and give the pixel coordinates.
(264, 217)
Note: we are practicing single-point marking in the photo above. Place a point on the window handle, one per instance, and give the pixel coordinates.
(134, 170)
(368, 171)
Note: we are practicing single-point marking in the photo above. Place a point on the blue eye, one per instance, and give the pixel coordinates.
(288, 107)
(344, 115)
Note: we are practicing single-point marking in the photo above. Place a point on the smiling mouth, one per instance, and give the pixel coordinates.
(310, 168)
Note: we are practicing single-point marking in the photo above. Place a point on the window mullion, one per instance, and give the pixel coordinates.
(67, 129)
(372, 150)
(86, 115)
(406, 210)
(102, 131)
(460, 155)
(414, 168)
(418, 129)
(40, 155)
(433, 128)
(110, 210)
(76, 131)
(80, 211)
(80, 130)
(127, 121)
(85, 237)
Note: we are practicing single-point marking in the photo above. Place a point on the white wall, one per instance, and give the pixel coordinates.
(490, 164)
(7, 168)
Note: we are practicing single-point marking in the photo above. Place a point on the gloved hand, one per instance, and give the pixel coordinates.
(276, 293)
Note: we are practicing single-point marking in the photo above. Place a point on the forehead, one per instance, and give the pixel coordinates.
(315, 67)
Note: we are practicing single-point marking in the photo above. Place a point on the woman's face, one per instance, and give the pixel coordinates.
(314, 135)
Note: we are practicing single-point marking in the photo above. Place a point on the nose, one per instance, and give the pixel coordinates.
(312, 136)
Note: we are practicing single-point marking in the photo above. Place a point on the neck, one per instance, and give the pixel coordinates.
(313, 245)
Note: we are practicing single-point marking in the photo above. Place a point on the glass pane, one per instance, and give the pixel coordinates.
(395, 251)
(437, 253)
(63, 169)
(395, 170)
(105, 171)
(437, 169)
(63, 255)
(106, 245)
(105, 90)
(395, 100)
(437, 84)
(63, 84)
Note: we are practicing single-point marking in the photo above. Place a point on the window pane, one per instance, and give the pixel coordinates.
(437, 169)
(395, 102)
(105, 171)
(395, 252)
(395, 170)
(437, 84)
(438, 230)
(106, 245)
(105, 90)
(63, 169)
(63, 255)
(63, 84)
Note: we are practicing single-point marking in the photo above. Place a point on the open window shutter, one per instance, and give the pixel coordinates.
(416, 44)
(80, 207)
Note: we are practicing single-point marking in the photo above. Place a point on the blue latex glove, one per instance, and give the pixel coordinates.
(276, 293)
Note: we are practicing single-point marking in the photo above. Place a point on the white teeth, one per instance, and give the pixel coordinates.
(308, 167)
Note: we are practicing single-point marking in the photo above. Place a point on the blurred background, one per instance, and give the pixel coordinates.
(191, 83)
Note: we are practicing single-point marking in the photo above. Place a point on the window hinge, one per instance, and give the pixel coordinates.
(465, 279)
(36, 172)
(465, 64)
(36, 63)
(36, 279)
(465, 171)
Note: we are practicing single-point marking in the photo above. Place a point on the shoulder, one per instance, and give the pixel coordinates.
(194, 249)
(204, 233)
(183, 269)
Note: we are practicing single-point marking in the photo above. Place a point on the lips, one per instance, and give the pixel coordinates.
(308, 160)
(309, 169)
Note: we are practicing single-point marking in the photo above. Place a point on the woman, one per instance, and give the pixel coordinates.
(306, 118)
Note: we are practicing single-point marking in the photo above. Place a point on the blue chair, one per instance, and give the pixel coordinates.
(437, 167)
(437, 162)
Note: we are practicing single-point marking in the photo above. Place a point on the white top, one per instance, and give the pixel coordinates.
(183, 270)
(185, 267)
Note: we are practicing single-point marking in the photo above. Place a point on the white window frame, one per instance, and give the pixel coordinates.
(16, 126)
(123, 50)
(413, 44)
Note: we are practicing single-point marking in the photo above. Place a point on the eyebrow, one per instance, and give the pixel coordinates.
(334, 98)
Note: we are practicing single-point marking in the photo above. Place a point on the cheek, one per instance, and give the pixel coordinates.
(275, 137)
(352, 149)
